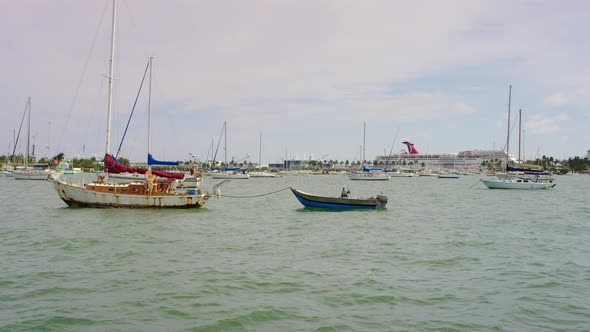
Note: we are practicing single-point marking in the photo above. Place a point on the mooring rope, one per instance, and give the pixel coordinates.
(260, 195)
(473, 185)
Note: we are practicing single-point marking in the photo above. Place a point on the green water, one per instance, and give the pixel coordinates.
(445, 255)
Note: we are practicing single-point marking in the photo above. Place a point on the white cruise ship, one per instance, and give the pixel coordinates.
(465, 160)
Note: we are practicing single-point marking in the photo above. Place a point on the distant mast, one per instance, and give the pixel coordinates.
(28, 132)
(150, 115)
(260, 153)
(111, 66)
(225, 141)
(364, 134)
(508, 134)
(519, 132)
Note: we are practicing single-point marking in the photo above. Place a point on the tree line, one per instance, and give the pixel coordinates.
(575, 164)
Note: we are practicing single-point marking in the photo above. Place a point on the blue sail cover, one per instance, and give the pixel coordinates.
(152, 161)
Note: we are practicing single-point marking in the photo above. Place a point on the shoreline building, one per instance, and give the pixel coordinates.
(470, 160)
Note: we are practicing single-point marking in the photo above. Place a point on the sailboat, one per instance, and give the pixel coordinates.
(229, 172)
(513, 182)
(31, 171)
(148, 193)
(369, 174)
(260, 173)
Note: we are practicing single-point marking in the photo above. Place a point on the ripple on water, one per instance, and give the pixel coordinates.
(447, 259)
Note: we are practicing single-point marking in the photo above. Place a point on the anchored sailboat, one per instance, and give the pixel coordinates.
(260, 173)
(514, 182)
(148, 193)
(229, 172)
(35, 171)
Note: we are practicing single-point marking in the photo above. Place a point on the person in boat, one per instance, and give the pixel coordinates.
(150, 181)
(171, 185)
(345, 193)
(100, 178)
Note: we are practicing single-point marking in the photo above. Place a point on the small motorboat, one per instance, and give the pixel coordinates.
(342, 202)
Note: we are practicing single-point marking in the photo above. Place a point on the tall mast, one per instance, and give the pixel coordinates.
(364, 131)
(49, 137)
(225, 141)
(150, 114)
(508, 134)
(523, 145)
(28, 133)
(260, 153)
(519, 132)
(111, 66)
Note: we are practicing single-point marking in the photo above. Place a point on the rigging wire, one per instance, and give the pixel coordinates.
(511, 129)
(19, 129)
(133, 109)
(74, 100)
(259, 195)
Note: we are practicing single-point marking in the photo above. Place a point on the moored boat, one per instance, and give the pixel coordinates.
(448, 176)
(370, 176)
(148, 193)
(515, 177)
(515, 183)
(341, 203)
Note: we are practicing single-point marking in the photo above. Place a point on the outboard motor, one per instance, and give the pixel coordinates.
(381, 201)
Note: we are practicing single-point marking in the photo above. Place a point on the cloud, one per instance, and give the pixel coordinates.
(264, 64)
(578, 96)
(543, 124)
(555, 100)
(463, 108)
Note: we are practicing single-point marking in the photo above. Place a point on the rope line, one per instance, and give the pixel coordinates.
(473, 185)
(260, 195)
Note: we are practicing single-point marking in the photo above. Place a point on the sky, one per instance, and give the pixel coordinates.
(306, 75)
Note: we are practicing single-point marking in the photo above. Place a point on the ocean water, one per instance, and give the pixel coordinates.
(446, 255)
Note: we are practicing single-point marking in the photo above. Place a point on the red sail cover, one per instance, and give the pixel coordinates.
(112, 166)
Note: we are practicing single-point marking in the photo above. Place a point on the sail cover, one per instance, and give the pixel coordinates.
(526, 170)
(111, 165)
(152, 161)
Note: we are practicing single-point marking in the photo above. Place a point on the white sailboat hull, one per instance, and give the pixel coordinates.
(78, 196)
(31, 175)
(515, 184)
(230, 176)
(370, 177)
(262, 175)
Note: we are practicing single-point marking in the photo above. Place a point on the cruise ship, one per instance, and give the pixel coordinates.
(466, 160)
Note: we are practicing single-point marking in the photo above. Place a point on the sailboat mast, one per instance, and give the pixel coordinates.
(225, 141)
(519, 132)
(150, 114)
(523, 146)
(111, 67)
(28, 133)
(364, 131)
(260, 153)
(508, 134)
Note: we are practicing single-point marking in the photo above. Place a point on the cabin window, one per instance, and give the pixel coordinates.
(110, 189)
(135, 190)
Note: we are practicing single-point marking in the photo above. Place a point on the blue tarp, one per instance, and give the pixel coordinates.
(152, 161)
